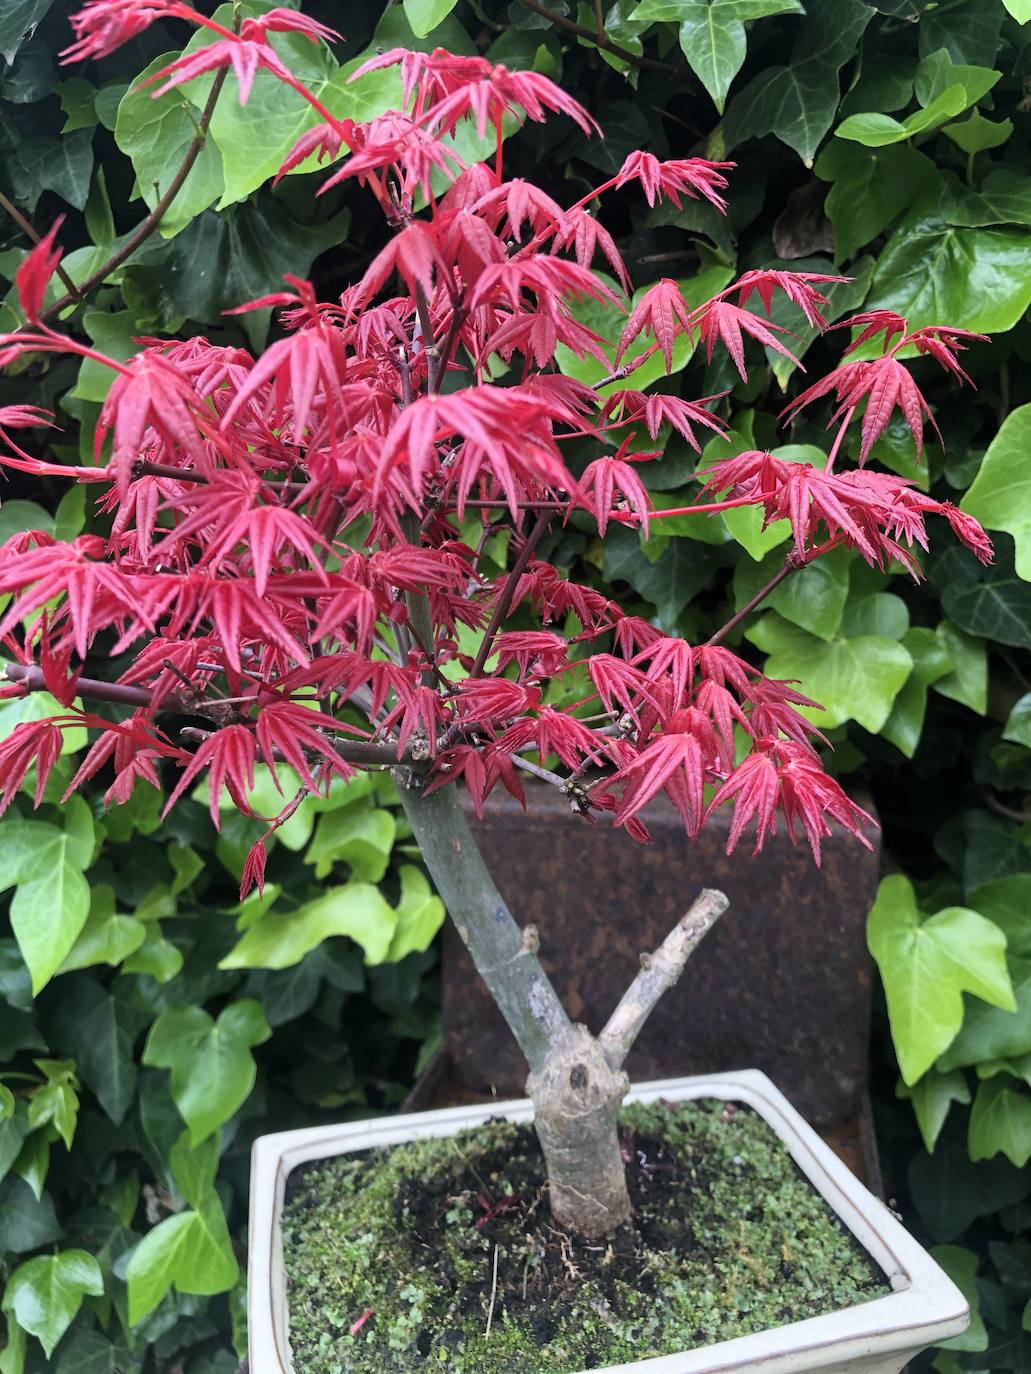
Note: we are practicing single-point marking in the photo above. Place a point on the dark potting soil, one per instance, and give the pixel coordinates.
(441, 1254)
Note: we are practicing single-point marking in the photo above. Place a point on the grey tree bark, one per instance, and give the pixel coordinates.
(576, 1079)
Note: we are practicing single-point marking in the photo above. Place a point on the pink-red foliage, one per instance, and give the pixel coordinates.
(302, 543)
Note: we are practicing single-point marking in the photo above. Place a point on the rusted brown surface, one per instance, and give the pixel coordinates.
(781, 984)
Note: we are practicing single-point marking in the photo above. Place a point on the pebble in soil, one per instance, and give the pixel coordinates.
(728, 1238)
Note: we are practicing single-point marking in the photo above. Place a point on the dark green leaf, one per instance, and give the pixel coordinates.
(26, 1223)
(797, 102)
(18, 18)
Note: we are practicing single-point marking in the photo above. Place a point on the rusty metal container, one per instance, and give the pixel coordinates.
(781, 984)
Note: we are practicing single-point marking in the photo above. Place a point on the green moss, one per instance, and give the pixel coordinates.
(728, 1239)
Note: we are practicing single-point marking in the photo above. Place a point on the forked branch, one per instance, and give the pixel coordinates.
(659, 972)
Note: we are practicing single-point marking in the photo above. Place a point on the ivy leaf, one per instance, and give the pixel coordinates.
(746, 522)
(191, 1251)
(425, 15)
(932, 1096)
(797, 102)
(100, 1028)
(1000, 495)
(1019, 9)
(996, 607)
(607, 320)
(968, 681)
(18, 19)
(937, 72)
(853, 679)
(277, 940)
(950, 1192)
(254, 139)
(976, 279)
(926, 965)
(360, 836)
(989, 1033)
(977, 134)
(221, 259)
(969, 31)
(682, 569)
(155, 134)
(420, 914)
(712, 34)
(931, 663)
(212, 1067)
(57, 1100)
(1018, 723)
(961, 1266)
(1000, 1123)
(45, 1294)
(107, 937)
(62, 165)
(879, 130)
(51, 904)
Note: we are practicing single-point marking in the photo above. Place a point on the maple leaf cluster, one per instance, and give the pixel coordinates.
(301, 543)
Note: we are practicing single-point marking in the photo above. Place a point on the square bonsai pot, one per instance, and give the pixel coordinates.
(876, 1337)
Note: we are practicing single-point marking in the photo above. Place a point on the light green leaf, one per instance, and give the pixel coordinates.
(51, 904)
(45, 1294)
(211, 1062)
(961, 1266)
(1000, 495)
(277, 940)
(880, 130)
(932, 1096)
(33, 1162)
(156, 956)
(360, 836)
(425, 15)
(40, 706)
(976, 279)
(937, 73)
(420, 914)
(191, 1250)
(931, 663)
(853, 679)
(607, 320)
(1018, 723)
(1019, 9)
(746, 522)
(977, 134)
(112, 334)
(1000, 1122)
(968, 681)
(106, 938)
(155, 133)
(926, 965)
(57, 1100)
(798, 101)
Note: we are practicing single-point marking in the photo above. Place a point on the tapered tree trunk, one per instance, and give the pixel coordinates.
(576, 1079)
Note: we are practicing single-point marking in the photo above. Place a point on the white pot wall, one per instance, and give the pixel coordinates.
(877, 1337)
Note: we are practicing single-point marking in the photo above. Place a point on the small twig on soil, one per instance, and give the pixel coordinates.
(493, 1293)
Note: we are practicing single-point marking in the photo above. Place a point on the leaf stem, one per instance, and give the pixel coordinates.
(29, 230)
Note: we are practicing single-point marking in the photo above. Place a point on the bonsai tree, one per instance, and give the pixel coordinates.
(301, 544)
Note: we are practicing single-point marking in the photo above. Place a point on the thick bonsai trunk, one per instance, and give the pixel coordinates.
(576, 1099)
(576, 1079)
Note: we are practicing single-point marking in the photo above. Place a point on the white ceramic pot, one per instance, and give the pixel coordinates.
(877, 1337)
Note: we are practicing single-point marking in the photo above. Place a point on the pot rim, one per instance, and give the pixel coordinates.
(924, 1307)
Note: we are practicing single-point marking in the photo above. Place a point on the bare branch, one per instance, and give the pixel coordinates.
(153, 220)
(659, 972)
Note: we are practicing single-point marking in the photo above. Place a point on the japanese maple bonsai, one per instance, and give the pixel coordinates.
(286, 555)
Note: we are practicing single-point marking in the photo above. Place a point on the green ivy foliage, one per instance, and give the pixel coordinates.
(889, 140)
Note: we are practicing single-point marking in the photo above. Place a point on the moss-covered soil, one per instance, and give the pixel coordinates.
(440, 1255)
